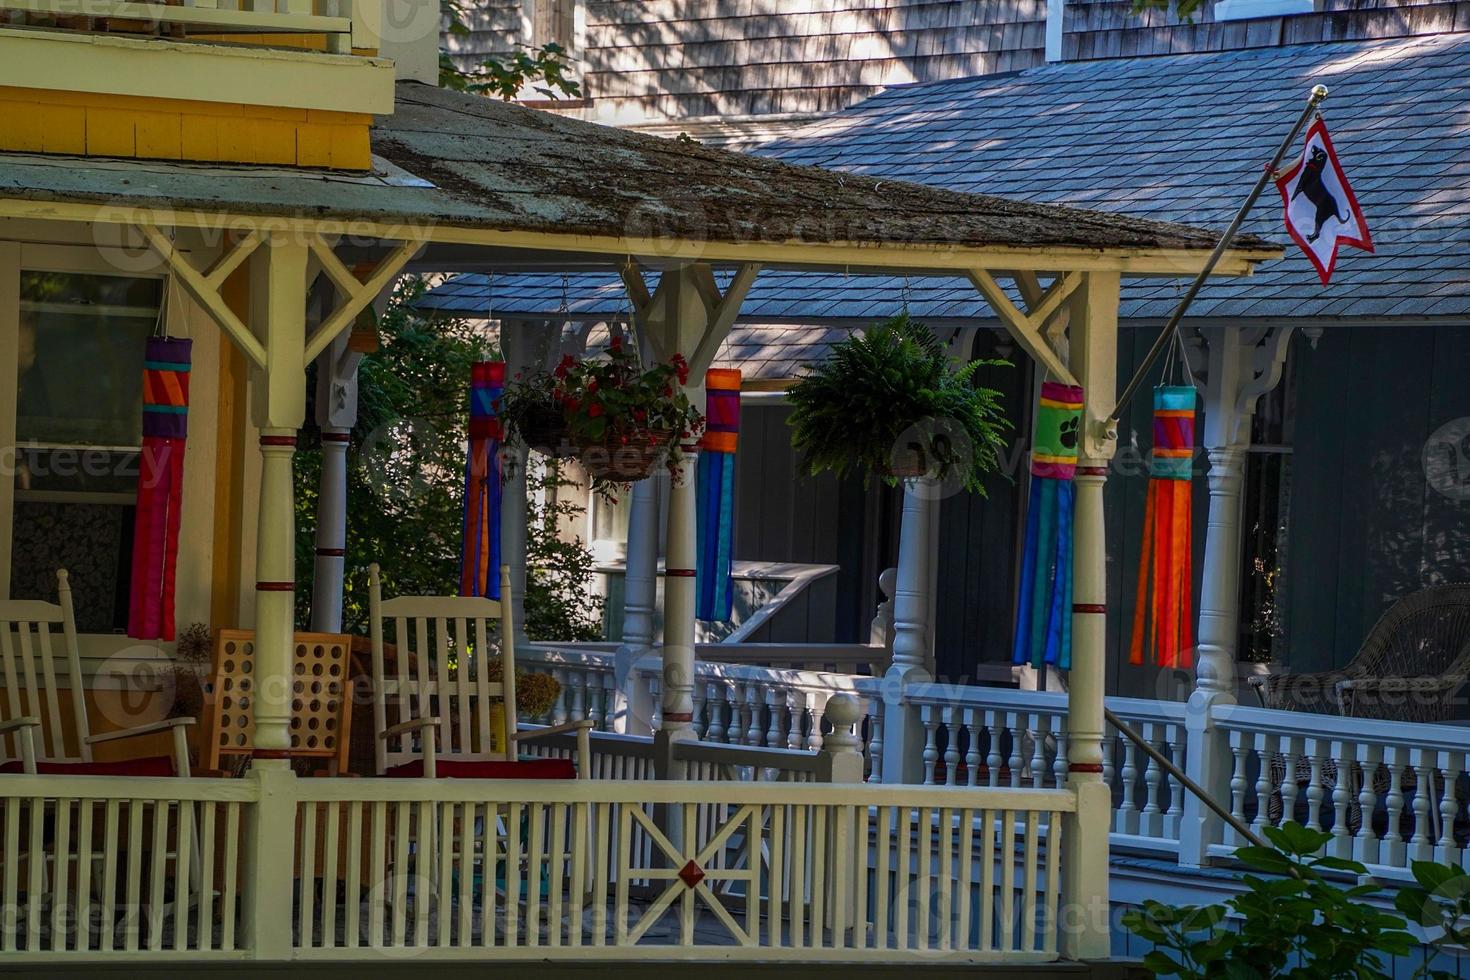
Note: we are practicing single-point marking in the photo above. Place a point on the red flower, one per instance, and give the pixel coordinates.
(616, 344)
(566, 365)
(571, 404)
(594, 409)
(591, 386)
(640, 414)
(681, 368)
(668, 391)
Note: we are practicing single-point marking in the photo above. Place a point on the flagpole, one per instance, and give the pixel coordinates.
(1319, 93)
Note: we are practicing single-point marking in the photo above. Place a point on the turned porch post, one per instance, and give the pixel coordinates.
(278, 320)
(1243, 364)
(903, 729)
(336, 413)
(687, 319)
(640, 595)
(1094, 361)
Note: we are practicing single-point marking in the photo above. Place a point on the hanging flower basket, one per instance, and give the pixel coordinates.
(625, 419)
(627, 457)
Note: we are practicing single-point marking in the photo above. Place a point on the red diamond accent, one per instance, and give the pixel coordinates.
(691, 874)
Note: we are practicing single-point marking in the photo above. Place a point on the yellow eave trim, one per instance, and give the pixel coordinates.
(159, 68)
(857, 257)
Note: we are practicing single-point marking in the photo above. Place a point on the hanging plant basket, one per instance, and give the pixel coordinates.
(611, 460)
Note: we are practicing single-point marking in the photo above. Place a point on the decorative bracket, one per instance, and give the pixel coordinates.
(356, 294)
(721, 310)
(1259, 358)
(1030, 328)
(203, 286)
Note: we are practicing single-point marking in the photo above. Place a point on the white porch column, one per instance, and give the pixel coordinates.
(278, 320)
(1094, 361)
(1242, 365)
(640, 594)
(523, 347)
(336, 413)
(903, 729)
(686, 320)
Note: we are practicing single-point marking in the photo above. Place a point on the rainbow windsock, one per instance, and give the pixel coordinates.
(160, 488)
(479, 568)
(1044, 607)
(1163, 616)
(715, 527)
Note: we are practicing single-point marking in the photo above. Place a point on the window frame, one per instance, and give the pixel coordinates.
(182, 318)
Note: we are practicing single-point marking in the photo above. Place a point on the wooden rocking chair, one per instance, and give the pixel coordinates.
(33, 738)
(433, 711)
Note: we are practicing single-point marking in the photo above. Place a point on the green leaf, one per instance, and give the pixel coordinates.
(1162, 964)
(1265, 859)
(1433, 876)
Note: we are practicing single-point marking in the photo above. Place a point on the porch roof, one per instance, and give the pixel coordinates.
(1178, 138)
(445, 160)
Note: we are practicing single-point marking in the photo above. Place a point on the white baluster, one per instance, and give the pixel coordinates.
(1316, 790)
(1451, 765)
(655, 694)
(1126, 818)
(972, 751)
(702, 710)
(596, 705)
(735, 723)
(774, 738)
(734, 729)
(753, 730)
(1014, 761)
(559, 709)
(1392, 851)
(993, 758)
(1291, 752)
(1342, 797)
(1150, 823)
(793, 730)
(813, 715)
(931, 749)
(1365, 842)
(875, 738)
(579, 696)
(1038, 750)
(1059, 753)
(1176, 788)
(1422, 845)
(609, 701)
(1239, 752)
(951, 748)
(1265, 753)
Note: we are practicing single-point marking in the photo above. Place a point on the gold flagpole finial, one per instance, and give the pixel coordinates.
(1319, 92)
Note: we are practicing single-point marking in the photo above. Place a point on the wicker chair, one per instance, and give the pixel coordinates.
(1414, 661)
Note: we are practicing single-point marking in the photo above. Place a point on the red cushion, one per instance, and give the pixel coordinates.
(159, 765)
(452, 769)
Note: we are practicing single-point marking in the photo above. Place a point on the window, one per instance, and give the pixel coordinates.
(78, 431)
(1267, 521)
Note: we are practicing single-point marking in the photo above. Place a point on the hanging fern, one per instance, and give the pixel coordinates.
(892, 402)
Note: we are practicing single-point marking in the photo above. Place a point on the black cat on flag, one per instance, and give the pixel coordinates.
(1321, 212)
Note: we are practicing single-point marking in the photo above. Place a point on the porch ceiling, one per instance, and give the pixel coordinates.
(491, 184)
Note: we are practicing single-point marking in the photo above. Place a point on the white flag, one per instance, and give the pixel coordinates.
(1321, 212)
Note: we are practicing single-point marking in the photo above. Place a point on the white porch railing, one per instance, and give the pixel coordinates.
(1389, 793)
(274, 867)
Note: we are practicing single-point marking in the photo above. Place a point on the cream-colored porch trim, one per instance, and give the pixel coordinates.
(1029, 328)
(940, 259)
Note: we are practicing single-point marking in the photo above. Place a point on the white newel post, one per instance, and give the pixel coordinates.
(336, 413)
(1094, 357)
(1242, 365)
(640, 593)
(903, 729)
(842, 754)
(270, 829)
(278, 319)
